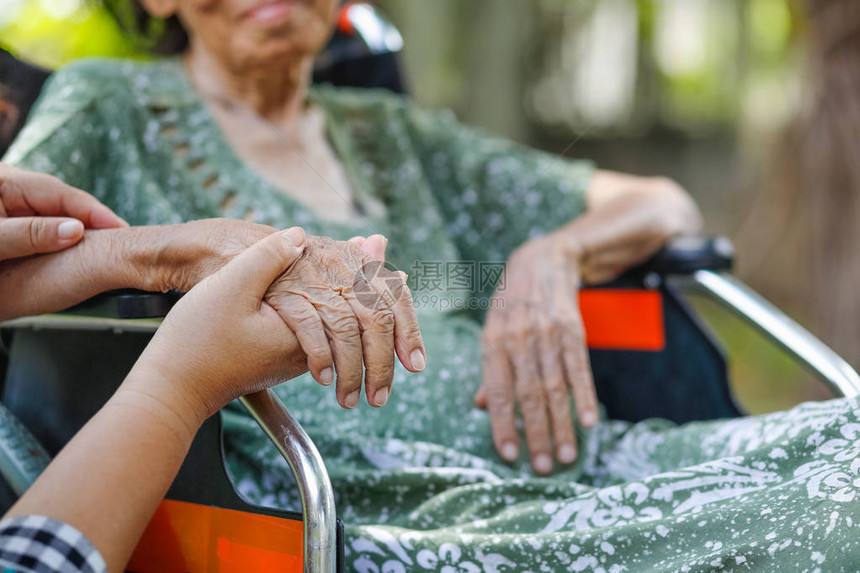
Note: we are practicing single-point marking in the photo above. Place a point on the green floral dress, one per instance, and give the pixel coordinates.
(418, 483)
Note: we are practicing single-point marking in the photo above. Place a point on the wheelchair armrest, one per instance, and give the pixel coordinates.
(775, 325)
(687, 255)
(127, 304)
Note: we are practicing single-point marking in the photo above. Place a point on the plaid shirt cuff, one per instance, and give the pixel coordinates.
(37, 544)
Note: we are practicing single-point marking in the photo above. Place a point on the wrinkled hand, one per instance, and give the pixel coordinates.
(347, 308)
(223, 340)
(183, 255)
(534, 353)
(41, 214)
(344, 309)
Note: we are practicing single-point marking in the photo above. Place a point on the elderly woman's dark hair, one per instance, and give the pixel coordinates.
(155, 35)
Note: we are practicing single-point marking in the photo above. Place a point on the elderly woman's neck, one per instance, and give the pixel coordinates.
(277, 96)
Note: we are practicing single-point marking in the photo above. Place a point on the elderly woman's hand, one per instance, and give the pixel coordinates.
(534, 342)
(343, 304)
(338, 294)
(41, 214)
(534, 353)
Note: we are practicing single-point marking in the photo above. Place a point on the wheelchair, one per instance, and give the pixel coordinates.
(651, 357)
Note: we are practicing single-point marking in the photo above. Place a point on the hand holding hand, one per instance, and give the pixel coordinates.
(40, 214)
(345, 307)
(223, 340)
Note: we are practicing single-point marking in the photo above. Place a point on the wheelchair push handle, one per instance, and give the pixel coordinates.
(315, 490)
(690, 254)
(773, 324)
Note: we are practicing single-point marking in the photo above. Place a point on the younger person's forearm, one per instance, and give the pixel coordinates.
(119, 467)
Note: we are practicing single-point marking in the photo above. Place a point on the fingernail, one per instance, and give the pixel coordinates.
(296, 235)
(351, 399)
(382, 396)
(509, 452)
(566, 454)
(327, 376)
(68, 230)
(418, 360)
(543, 464)
(588, 419)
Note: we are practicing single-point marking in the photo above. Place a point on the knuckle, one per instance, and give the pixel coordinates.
(526, 331)
(385, 300)
(348, 379)
(492, 344)
(316, 346)
(48, 179)
(583, 389)
(413, 335)
(36, 234)
(498, 395)
(529, 373)
(379, 375)
(305, 318)
(343, 325)
(402, 291)
(297, 310)
(557, 395)
(10, 187)
(383, 320)
(565, 320)
(500, 404)
(547, 329)
(531, 400)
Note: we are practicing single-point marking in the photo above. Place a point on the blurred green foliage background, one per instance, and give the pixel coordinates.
(51, 33)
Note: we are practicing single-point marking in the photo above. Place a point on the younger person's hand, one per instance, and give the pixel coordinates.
(222, 340)
(41, 214)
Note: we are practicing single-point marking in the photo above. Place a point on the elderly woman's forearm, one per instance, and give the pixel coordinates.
(628, 219)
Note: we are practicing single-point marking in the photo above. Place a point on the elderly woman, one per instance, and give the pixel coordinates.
(231, 127)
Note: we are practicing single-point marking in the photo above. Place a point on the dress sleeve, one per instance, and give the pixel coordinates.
(64, 135)
(87, 130)
(33, 544)
(494, 194)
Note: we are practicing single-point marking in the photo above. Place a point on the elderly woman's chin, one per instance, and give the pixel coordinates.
(262, 53)
(271, 33)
